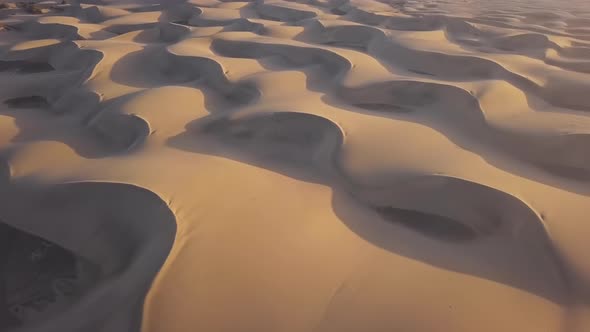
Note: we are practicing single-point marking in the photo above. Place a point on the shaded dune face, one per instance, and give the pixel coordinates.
(280, 13)
(356, 37)
(37, 277)
(293, 56)
(411, 96)
(488, 213)
(166, 68)
(165, 32)
(428, 224)
(65, 273)
(27, 102)
(25, 67)
(468, 66)
(563, 155)
(283, 137)
(120, 133)
(100, 133)
(111, 132)
(468, 222)
(559, 154)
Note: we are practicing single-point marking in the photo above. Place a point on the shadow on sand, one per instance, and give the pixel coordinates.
(446, 222)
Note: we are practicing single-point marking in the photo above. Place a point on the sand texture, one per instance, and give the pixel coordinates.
(295, 166)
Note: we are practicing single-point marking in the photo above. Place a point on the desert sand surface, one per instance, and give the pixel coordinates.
(295, 166)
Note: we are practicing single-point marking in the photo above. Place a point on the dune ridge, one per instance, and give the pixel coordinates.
(313, 165)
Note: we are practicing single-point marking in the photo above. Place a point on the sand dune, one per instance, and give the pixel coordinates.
(312, 165)
(125, 249)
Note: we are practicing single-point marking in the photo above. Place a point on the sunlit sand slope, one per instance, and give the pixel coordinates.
(295, 166)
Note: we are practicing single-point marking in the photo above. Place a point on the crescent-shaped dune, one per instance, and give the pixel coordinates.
(119, 253)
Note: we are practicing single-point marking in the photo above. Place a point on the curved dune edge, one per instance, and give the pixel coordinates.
(117, 133)
(290, 140)
(123, 133)
(442, 208)
(452, 67)
(460, 211)
(333, 64)
(559, 154)
(127, 245)
(51, 73)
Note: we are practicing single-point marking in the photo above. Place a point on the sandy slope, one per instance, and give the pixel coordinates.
(312, 165)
